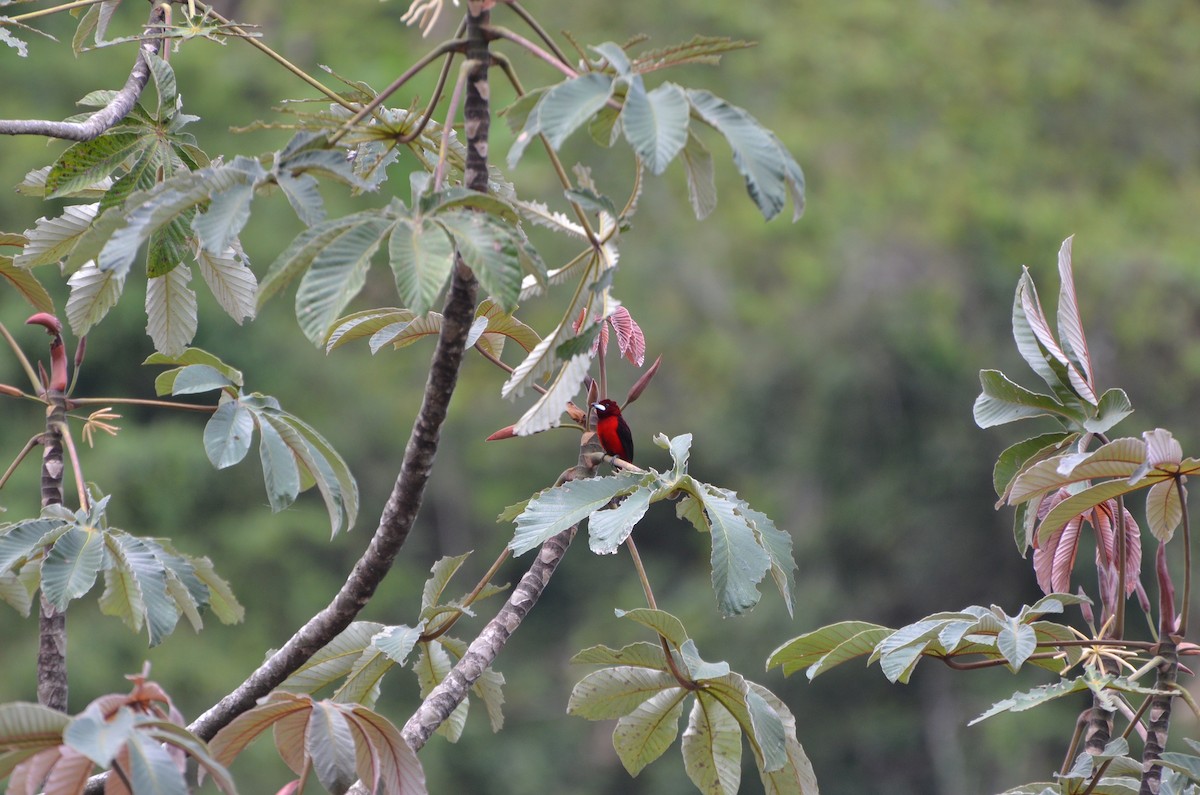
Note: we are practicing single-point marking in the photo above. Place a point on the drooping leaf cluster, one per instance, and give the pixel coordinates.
(147, 582)
(140, 733)
(746, 544)
(294, 455)
(645, 688)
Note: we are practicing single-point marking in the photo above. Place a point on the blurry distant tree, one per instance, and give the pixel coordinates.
(139, 188)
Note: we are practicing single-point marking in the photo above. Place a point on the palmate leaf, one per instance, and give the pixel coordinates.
(432, 666)
(85, 163)
(71, 567)
(641, 654)
(662, 622)
(562, 110)
(326, 468)
(608, 529)
(555, 509)
(769, 170)
(421, 256)
(171, 311)
(93, 293)
(823, 648)
(738, 562)
(491, 249)
(366, 323)
(502, 325)
(1003, 401)
(231, 281)
(547, 410)
(228, 433)
(335, 660)
(301, 252)
(648, 731)
(712, 747)
(51, 239)
(614, 692)
(655, 122)
(701, 177)
(337, 274)
(330, 744)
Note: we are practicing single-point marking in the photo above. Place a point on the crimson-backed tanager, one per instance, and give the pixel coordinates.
(614, 433)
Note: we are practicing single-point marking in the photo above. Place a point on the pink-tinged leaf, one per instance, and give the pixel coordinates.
(1070, 327)
(1036, 319)
(631, 342)
(1119, 458)
(1162, 449)
(47, 321)
(29, 776)
(289, 739)
(70, 773)
(232, 739)
(1083, 501)
(290, 788)
(1103, 518)
(397, 771)
(506, 432)
(1164, 511)
(640, 385)
(1054, 556)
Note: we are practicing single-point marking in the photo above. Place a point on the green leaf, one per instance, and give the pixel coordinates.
(778, 545)
(655, 122)
(765, 165)
(488, 687)
(440, 574)
(421, 256)
(85, 163)
(330, 745)
(52, 239)
(701, 177)
(71, 567)
(614, 692)
(555, 509)
(614, 55)
(1016, 642)
(769, 731)
(14, 592)
(337, 275)
(562, 110)
(221, 600)
(327, 468)
(660, 621)
(122, 595)
(27, 285)
(490, 248)
(280, 473)
(609, 527)
(196, 378)
(796, 775)
(1003, 401)
(168, 247)
(303, 194)
(697, 667)
(228, 211)
(334, 660)
(646, 733)
(432, 666)
(147, 568)
(171, 318)
(1113, 407)
(641, 654)
(301, 252)
(93, 293)
(712, 747)
(228, 433)
(152, 770)
(98, 738)
(398, 642)
(1020, 702)
(1014, 459)
(811, 648)
(738, 562)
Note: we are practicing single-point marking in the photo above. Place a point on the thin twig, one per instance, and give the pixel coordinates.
(45, 12)
(469, 600)
(76, 467)
(29, 445)
(162, 404)
(528, 19)
(439, 173)
(452, 46)
(1187, 560)
(521, 41)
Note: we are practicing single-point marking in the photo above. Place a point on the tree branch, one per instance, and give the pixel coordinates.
(108, 116)
(52, 623)
(444, 698)
(394, 524)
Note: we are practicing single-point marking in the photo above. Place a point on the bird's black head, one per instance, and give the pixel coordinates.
(607, 408)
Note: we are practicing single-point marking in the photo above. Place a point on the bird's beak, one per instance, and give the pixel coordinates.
(598, 406)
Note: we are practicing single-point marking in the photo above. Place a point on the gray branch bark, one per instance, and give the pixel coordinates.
(108, 116)
(52, 623)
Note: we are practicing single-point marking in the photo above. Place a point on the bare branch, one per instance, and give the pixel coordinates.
(108, 116)
(444, 698)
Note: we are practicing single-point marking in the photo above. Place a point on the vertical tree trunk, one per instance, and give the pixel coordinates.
(1159, 719)
(52, 644)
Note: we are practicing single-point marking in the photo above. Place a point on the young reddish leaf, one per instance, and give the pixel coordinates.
(631, 342)
(506, 432)
(1070, 328)
(640, 385)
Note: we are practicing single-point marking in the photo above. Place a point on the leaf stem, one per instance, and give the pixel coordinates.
(45, 12)
(452, 46)
(245, 36)
(1187, 559)
(163, 404)
(529, 20)
(29, 445)
(516, 38)
(76, 468)
(439, 173)
(20, 354)
(468, 601)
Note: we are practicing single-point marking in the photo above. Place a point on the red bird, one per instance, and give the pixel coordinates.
(615, 436)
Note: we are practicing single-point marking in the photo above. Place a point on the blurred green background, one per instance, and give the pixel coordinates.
(826, 368)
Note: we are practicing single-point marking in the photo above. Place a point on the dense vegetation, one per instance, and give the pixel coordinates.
(827, 369)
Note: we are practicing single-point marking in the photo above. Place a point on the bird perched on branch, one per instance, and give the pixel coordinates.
(614, 433)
